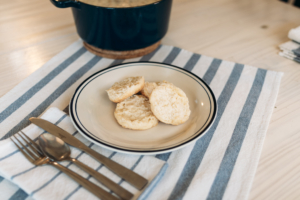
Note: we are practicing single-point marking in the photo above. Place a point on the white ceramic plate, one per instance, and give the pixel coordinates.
(92, 113)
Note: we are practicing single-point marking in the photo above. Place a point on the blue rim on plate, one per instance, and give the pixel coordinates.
(89, 135)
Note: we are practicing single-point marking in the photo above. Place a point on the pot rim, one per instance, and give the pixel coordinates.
(118, 3)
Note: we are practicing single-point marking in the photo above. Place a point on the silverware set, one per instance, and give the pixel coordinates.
(53, 148)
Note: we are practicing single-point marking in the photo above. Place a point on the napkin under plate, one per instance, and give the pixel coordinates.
(220, 165)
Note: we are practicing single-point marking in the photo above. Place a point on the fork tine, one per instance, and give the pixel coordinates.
(27, 149)
(33, 145)
(23, 152)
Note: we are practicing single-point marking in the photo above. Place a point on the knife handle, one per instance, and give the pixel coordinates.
(128, 175)
(117, 189)
(96, 190)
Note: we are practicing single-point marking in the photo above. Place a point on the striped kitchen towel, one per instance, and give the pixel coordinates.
(220, 165)
(291, 49)
(47, 182)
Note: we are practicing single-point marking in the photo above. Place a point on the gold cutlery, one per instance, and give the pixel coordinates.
(131, 177)
(36, 156)
(58, 150)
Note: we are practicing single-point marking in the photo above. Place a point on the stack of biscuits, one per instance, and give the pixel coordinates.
(141, 105)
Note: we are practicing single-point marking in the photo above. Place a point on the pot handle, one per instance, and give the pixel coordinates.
(65, 3)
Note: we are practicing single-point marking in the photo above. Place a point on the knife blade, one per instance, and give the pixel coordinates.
(131, 177)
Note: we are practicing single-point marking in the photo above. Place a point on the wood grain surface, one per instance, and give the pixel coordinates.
(243, 31)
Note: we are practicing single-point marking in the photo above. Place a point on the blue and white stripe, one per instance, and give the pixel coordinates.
(220, 165)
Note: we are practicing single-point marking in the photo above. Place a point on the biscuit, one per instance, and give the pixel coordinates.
(149, 87)
(135, 113)
(170, 104)
(125, 88)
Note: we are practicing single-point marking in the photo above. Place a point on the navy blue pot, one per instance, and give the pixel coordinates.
(120, 29)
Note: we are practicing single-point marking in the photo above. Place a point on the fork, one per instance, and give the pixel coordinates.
(36, 156)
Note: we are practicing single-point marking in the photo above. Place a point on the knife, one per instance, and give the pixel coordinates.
(131, 177)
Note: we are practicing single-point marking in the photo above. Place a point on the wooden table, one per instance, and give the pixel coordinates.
(244, 31)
